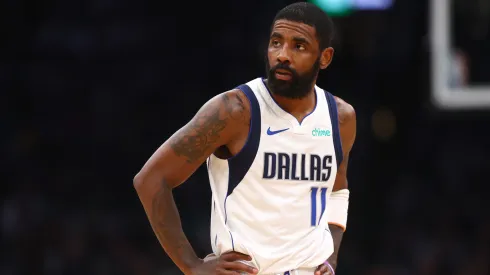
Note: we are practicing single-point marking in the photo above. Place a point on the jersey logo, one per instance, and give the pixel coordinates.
(321, 132)
(271, 133)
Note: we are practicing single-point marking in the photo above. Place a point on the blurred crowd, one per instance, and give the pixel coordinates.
(91, 88)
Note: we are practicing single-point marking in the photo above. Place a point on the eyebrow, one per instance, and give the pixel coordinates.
(295, 38)
(300, 40)
(276, 35)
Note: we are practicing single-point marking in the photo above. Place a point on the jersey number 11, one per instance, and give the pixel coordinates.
(323, 201)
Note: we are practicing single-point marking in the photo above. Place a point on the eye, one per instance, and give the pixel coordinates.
(275, 43)
(300, 47)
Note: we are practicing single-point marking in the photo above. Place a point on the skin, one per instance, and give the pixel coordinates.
(221, 127)
(347, 125)
(297, 45)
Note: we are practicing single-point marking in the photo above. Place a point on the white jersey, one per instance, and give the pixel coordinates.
(269, 200)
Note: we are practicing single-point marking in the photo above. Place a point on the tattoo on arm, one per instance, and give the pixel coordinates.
(206, 128)
(203, 132)
(197, 140)
(237, 109)
(168, 227)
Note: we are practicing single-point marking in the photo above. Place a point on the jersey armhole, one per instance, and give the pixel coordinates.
(240, 163)
(334, 117)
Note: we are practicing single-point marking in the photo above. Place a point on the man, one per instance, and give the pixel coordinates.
(277, 151)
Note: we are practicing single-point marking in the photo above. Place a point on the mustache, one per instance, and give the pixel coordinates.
(283, 66)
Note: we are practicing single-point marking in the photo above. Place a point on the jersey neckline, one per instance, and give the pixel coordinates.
(283, 113)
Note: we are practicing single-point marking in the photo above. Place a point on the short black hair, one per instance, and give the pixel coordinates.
(309, 14)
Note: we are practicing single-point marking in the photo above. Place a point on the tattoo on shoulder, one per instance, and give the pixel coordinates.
(236, 108)
(202, 134)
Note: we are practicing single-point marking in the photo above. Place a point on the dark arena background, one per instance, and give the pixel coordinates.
(89, 89)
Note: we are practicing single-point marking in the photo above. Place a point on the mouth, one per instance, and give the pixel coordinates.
(283, 74)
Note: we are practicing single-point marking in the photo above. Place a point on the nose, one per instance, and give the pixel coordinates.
(284, 55)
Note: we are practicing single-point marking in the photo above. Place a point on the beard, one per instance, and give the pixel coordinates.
(298, 86)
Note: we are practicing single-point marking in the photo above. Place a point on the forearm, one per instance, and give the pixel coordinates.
(337, 234)
(159, 205)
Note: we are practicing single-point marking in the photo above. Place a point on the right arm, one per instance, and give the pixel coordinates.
(176, 160)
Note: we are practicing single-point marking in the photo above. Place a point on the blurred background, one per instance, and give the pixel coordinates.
(89, 89)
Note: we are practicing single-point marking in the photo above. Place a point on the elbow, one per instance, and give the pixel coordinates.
(147, 181)
(138, 181)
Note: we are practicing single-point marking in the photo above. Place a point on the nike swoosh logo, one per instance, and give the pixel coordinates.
(270, 133)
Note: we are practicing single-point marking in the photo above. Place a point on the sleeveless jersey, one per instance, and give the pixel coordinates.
(269, 200)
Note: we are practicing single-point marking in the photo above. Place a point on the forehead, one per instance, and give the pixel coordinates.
(296, 29)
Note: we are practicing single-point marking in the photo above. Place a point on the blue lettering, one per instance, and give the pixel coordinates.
(313, 205)
(283, 166)
(303, 167)
(293, 167)
(327, 166)
(315, 167)
(269, 166)
(323, 200)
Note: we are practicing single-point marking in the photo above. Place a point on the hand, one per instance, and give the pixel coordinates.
(226, 264)
(325, 269)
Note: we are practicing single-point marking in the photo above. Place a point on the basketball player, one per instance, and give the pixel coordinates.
(277, 151)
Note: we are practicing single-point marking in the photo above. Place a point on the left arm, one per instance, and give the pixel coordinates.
(347, 125)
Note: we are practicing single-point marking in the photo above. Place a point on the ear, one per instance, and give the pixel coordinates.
(326, 57)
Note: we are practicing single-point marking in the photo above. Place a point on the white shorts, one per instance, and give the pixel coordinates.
(299, 271)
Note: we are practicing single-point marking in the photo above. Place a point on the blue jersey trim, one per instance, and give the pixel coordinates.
(334, 117)
(241, 163)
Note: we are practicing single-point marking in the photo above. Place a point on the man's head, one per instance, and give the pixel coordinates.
(299, 46)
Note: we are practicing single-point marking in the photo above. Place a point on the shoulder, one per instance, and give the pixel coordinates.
(236, 105)
(345, 111)
(229, 104)
(347, 122)
(220, 120)
(232, 110)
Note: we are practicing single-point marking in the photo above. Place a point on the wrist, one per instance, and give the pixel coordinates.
(191, 265)
(331, 268)
(332, 261)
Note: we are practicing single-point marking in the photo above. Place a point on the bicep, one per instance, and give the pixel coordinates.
(348, 137)
(188, 148)
(341, 178)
